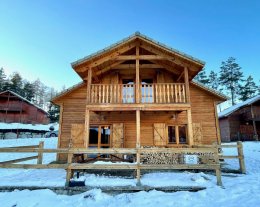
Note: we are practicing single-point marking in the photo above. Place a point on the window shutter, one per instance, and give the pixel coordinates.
(160, 138)
(77, 135)
(197, 133)
(118, 135)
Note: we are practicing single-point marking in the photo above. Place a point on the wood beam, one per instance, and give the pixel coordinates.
(89, 80)
(141, 57)
(133, 66)
(187, 88)
(138, 129)
(166, 67)
(109, 67)
(137, 76)
(189, 125)
(181, 75)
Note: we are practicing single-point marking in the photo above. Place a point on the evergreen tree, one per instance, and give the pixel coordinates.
(231, 77)
(202, 77)
(16, 83)
(213, 80)
(2, 79)
(248, 90)
(28, 91)
(54, 112)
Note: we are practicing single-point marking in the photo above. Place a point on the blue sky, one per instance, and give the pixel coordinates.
(40, 39)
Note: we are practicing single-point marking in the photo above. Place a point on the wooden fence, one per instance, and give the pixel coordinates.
(239, 156)
(145, 159)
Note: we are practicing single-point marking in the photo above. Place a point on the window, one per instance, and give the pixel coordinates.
(177, 134)
(128, 93)
(99, 136)
(147, 90)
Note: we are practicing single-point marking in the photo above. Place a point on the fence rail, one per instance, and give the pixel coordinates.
(145, 158)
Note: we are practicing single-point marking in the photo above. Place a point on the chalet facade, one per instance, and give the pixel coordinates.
(138, 93)
(241, 121)
(16, 109)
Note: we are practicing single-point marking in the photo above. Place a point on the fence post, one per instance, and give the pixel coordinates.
(242, 167)
(40, 154)
(138, 171)
(69, 170)
(218, 168)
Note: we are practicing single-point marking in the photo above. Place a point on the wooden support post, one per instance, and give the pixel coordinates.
(69, 174)
(138, 144)
(187, 82)
(86, 133)
(137, 77)
(242, 167)
(40, 154)
(218, 175)
(189, 125)
(89, 85)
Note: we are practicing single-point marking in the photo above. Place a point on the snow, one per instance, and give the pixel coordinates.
(36, 127)
(232, 109)
(239, 190)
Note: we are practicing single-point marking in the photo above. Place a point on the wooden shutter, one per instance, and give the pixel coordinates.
(77, 136)
(118, 135)
(160, 138)
(197, 133)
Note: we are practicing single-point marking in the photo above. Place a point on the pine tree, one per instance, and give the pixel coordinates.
(202, 77)
(54, 112)
(16, 83)
(28, 91)
(213, 80)
(248, 90)
(231, 77)
(2, 79)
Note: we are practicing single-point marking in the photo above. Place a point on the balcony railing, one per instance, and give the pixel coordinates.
(149, 93)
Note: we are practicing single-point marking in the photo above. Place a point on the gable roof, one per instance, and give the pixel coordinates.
(24, 99)
(81, 66)
(236, 107)
(131, 37)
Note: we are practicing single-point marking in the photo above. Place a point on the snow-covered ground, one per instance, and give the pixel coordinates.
(239, 190)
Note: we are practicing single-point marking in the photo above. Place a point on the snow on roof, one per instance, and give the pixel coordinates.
(36, 127)
(24, 99)
(234, 108)
(136, 34)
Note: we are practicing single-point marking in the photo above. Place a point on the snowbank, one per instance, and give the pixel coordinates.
(36, 127)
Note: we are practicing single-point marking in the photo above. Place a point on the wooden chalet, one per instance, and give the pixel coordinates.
(241, 122)
(138, 93)
(16, 109)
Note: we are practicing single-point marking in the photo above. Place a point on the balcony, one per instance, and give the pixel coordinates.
(155, 93)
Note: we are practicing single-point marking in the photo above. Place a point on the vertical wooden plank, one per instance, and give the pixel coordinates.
(143, 90)
(137, 76)
(183, 94)
(103, 93)
(175, 94)
(164, 93)
(89, 84)
(189, 125)
(187, 88)
(168, 93)
(242, 166)
(177, 135)
(99, 136)
(138, 171)
(111, 93)
(86, 133)
(69, 171)
(107, 93)
(40, 154)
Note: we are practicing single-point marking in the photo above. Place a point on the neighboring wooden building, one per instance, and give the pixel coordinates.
(241, 121)
(16, 109)
(136, 93)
